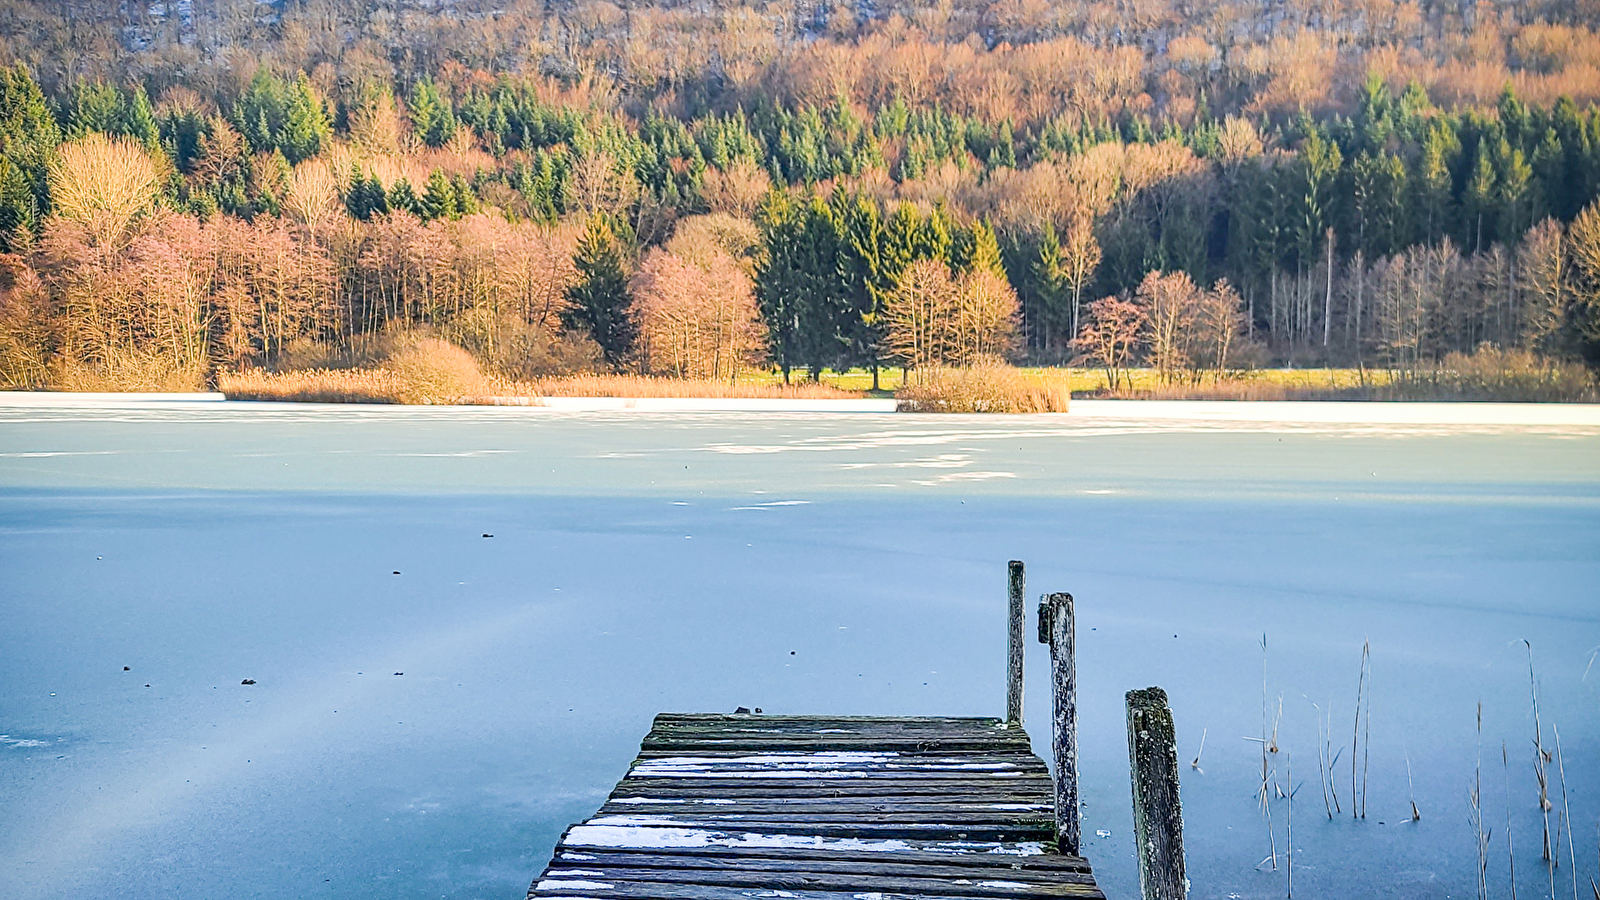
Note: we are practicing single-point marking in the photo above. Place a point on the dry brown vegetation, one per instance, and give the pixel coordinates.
(1490, 374)
(989, 387)
(423, 370)
(644, 386)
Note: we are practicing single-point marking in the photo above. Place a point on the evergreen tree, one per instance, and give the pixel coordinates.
(1051, 291)
(431, 116)
(983, 254)
(19, 211)
(599, 297)
(28, 138)
(139, 121)
(439, 199)
(1478, 202)
(864, 286)
(258, 113)
(1432, 183)
(402, 197)
(779, 278)
(465, 199)
(366, 197)
(96, 106)
(306, 127)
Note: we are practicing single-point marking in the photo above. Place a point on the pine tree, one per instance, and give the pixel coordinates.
(599, 297)
(28, 139)
(19, 213)
(431, 116)
(1051, 290)
(366, 197)
(258, 112)
(863, 286)
(1512, 191)
(984, 253)
(306, 127)
(778, 278)
(402, 197)
(96, 106)
(1479, 201)
(439, 197)
(139, 121)
(465, 198)
(1432, 183)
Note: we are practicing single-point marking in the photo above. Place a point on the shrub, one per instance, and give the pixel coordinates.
(428, 370)
(990, 387)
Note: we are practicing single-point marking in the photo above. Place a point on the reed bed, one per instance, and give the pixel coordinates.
(984, 389)
(645, 386)
(1508, 376)
(312, 385)
(428, 370)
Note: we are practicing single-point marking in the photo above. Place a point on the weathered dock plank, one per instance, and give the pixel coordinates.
(737, 807)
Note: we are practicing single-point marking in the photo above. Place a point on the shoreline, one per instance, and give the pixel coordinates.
(1351, 412)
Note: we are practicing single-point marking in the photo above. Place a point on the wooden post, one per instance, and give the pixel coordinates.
(1056, 629)
(1014, 641)
(1157, 814)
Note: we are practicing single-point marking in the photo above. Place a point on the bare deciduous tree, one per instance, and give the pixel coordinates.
(1111, 336)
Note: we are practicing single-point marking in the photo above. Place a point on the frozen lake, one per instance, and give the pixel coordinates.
(802, 563)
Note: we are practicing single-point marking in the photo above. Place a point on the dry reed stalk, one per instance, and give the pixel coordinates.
(1540, 758)
(1288, 828)
(1355, 737)
(1266, 770)
(1333, 759)
(1366, 734)
(1566, 812)
(1511, 854)
(1476, 799)
(1264, 764)
(1411, 791)
(1322, 762)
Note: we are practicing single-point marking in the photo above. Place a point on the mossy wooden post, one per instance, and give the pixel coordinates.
(1157, 814)
(1056, 629)
(1014, 641)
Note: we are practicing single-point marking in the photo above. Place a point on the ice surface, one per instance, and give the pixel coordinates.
(203, 543)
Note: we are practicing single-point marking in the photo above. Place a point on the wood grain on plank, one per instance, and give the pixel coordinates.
(730, 807)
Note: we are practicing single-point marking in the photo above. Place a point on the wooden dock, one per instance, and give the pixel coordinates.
(752, 807)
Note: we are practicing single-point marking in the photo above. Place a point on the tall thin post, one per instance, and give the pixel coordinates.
(1056, 629)
(1157, 814)
(1014, 641)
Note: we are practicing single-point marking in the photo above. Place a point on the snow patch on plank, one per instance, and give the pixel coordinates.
(642, 837)
(697, 801)
(831, 757)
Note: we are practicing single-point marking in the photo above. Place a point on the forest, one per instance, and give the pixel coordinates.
(195, 187)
